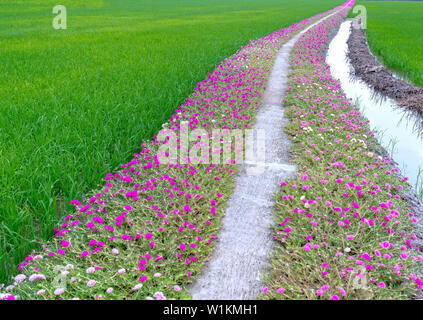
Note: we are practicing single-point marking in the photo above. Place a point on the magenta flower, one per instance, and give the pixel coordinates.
(280, 290)
(64, 243)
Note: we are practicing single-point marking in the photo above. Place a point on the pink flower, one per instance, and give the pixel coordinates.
(385, 244)
(59, 291)
(64, 243)
(90, 225)
(91, 283)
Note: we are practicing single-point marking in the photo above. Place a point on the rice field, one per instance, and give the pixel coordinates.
(394, 34)
(76, 103)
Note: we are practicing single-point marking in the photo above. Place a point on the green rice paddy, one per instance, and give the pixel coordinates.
(394, 33)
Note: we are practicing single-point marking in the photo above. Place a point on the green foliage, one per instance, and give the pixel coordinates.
(394, 35)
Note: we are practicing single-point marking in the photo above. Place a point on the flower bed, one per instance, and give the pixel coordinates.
(148, 231)
(343, 228)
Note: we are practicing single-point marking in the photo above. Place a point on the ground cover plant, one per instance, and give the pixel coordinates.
(76, 103)
(148, 231)
(394, 36)
(342, 226)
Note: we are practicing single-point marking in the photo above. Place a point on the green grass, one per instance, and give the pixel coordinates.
(76, 103)
(394, 33)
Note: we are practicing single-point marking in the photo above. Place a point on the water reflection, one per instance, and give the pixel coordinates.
(399, 130)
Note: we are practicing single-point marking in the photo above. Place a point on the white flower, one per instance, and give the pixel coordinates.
(69, 266)
(120, 271)
(20, 277)
(59, 291)
(137, 287)
(36, 276)
(40, 292)
(90, 270)
(159, 296)
(115, 251)
(91, 283)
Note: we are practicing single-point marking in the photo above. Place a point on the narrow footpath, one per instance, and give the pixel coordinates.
(245, 240)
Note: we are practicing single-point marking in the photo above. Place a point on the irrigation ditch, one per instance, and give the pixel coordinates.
(392, 105)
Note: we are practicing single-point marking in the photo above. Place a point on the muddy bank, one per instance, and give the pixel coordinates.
(378, 77)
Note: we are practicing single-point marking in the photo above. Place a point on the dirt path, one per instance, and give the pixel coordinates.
(245, 240)
(378, 77)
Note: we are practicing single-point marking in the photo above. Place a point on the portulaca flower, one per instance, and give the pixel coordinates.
(69, 266)
(36, 276)
(59, 291)
(137, 287)
(90, 270)
(159, 296)
(20, 277)
(91, 283)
